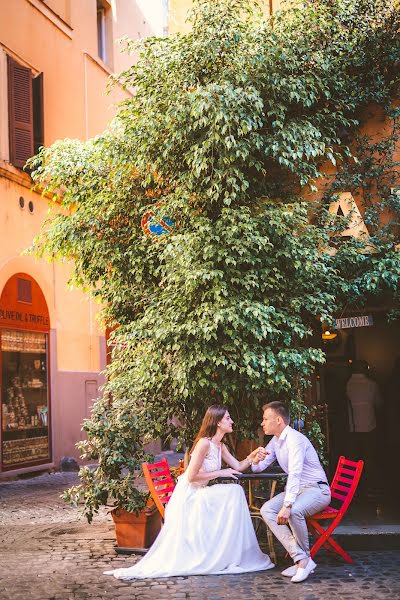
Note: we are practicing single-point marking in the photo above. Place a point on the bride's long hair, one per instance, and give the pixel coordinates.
(210, 422)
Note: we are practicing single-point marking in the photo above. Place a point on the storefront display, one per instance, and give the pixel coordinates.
(25, 400)
(25, 430)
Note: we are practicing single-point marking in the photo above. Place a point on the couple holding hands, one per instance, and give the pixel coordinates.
(208, 529)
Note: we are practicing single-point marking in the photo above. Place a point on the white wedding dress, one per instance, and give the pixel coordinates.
(207, 531)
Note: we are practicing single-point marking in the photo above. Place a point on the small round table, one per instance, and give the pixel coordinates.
(273, 476)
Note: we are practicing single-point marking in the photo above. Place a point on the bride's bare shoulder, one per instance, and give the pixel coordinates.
(202, 444)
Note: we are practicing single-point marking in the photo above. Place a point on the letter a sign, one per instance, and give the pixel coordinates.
(347, 207)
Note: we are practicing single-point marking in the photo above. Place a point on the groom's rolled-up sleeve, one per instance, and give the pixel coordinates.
(268, 460)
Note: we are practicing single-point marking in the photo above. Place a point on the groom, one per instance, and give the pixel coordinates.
(307, 491)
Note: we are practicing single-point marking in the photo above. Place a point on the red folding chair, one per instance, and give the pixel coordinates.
(160, 482)
(343, 488)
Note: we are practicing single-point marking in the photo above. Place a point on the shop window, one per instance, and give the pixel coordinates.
(24, 290)
(25, 398)
(25, 112)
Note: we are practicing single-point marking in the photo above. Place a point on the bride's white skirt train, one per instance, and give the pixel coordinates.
(207, 530)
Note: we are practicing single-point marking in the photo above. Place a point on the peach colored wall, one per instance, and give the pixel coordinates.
(62, 8)
(74, 77)
(150, 18)
(71, 313)
(75, 105)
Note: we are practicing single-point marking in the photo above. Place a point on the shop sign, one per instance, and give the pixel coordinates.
(360, 321)
(16, 316)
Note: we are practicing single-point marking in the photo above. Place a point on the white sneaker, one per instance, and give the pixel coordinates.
(303, 573)
(290, 571)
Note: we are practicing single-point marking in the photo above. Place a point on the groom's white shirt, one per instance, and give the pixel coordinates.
(297, 457)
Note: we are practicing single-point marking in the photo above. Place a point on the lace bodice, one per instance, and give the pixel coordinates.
(212, 460)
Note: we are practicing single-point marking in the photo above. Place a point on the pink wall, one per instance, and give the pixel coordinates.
(72, 395)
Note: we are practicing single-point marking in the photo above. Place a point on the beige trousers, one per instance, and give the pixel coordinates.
(310, 500)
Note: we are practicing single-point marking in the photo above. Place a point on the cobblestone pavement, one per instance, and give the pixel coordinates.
(48, 553)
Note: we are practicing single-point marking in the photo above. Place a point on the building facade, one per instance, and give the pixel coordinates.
(55, 60)
(178, 11)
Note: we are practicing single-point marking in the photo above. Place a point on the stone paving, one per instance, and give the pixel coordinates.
(48, 553)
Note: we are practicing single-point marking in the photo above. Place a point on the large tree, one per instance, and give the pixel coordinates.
(226, 127)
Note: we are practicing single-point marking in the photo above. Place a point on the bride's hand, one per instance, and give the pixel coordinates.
(230, 473)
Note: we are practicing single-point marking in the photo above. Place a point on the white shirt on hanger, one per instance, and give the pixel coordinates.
(365, 398)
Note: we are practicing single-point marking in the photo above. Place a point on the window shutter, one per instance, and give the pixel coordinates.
(20, 111)
(24, 290)
(38, 129)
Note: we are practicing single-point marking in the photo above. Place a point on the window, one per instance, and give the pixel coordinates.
(25, 399)
(101, 32)
(24, 290)
(104, 24)
(25, 112)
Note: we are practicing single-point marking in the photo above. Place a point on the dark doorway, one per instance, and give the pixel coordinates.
(379, 345)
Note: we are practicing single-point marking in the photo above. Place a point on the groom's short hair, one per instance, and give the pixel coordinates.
(280, 408)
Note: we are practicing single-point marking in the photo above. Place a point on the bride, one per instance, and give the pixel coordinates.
(207, 530)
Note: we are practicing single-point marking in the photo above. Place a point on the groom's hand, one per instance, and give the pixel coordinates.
(283, 516)
(258, 455)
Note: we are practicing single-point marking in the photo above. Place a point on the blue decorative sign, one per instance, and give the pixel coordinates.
(155, 224)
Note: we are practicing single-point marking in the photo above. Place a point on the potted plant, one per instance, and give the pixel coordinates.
(115, 442)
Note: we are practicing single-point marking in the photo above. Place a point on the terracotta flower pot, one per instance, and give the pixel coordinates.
(136, 530)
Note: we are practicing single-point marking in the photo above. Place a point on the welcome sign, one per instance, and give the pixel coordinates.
(349, 322)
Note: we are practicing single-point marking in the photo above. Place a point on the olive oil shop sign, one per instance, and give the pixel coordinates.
(360, 321)
(23, 318)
